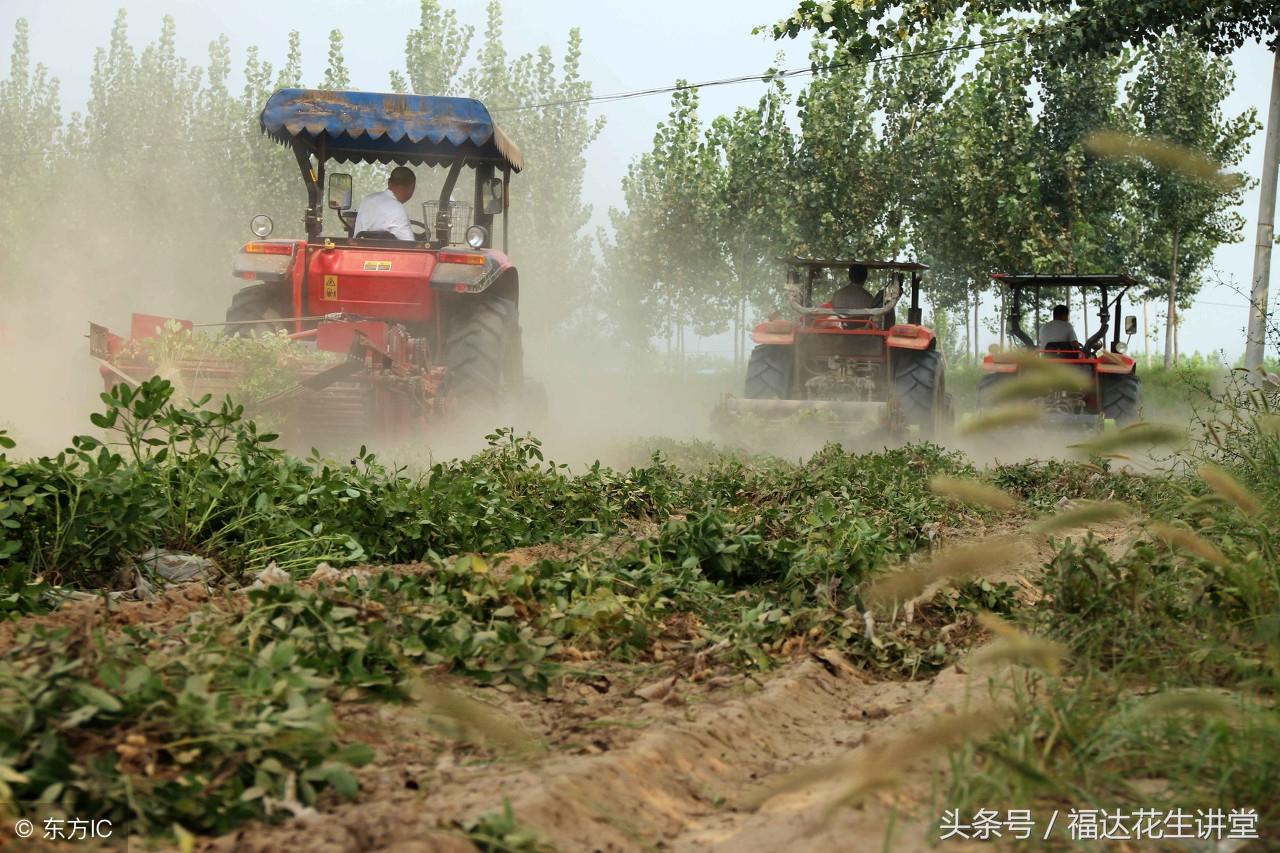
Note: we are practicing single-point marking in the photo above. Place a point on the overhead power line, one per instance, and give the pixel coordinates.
(767, 76)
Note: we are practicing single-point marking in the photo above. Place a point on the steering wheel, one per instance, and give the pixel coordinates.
(420, 231)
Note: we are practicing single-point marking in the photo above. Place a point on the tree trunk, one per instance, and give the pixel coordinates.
(1255, 344)
(737, 331)
(1171, 313)
(1002, 320)
(1146, 337)
(977, 301)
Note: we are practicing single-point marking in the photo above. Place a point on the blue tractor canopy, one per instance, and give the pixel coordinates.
(377, 127)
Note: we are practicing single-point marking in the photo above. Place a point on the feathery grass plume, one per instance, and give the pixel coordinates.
(1189, 701)
(475, 721)
(972, 492)
(1141, 434)
(1186, 540)
(1229, 489)
(986, 556)
(1001, 417)
(186, 839)
(1015, 647)
(879, 766)
(1163, 155)
(1083, 514)
(1041, 377)
(800, 779)
(1269, 424)
(883, 767)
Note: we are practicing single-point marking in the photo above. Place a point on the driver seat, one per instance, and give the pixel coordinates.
(1064, 349)
(376, 235)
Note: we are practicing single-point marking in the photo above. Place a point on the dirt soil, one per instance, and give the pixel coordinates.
(657, 756)
(643, 760)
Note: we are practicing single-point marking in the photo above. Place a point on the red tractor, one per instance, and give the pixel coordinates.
(848, 357)
(424, 323)
(1110, 391)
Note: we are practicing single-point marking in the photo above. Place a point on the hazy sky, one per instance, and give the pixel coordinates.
(627, 45)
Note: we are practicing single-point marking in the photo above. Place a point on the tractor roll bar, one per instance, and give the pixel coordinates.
(892, 292)
(1106, 305)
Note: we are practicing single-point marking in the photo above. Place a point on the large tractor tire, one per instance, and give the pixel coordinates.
(481, 351)
(257, 302)
(919, 387)
(987, 385)
(1121, 397)
(768, 373)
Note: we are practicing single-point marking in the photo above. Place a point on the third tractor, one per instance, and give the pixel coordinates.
(1109, 390)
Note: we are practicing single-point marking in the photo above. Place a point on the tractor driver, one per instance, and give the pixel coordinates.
(1058, 330)
(854, 294)
(384, 211)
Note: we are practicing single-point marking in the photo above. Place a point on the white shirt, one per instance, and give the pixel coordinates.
(1056, 331)
(382, 212)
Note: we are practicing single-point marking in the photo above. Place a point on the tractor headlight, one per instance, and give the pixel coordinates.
(1120, 347)
(261, 225)
(477, 236)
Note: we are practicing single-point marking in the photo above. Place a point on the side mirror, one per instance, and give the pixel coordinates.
(1131, 325)
(494, 201)
(339, 191)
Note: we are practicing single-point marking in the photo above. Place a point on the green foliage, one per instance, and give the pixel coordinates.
(1043, 483)
(662, 284)
(1173, 647)
(1099, 27)
(1200, 636)
(205, 730)
(225, 717)
(500, 832)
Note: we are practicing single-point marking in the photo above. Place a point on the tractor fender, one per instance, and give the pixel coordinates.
(1114, 362)
(470, 271)
(910, 336)
(991, 365)
(267, 260)
(776, 332)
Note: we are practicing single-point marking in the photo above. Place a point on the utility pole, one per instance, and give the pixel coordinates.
(1171, 314)
(1255, 344)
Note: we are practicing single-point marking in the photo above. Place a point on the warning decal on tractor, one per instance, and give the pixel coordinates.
(377, 266)
(331, 287)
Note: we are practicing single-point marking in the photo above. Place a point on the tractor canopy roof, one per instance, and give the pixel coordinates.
(1053, 280)
(375, 127)
(834, 263)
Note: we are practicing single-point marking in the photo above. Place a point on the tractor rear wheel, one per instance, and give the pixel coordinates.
(768, 373)
(481, 350)
(987, 385)
(254, 303)
(919, 389)
(1121, 396)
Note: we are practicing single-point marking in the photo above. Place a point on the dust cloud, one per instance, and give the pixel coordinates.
(88, 263)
